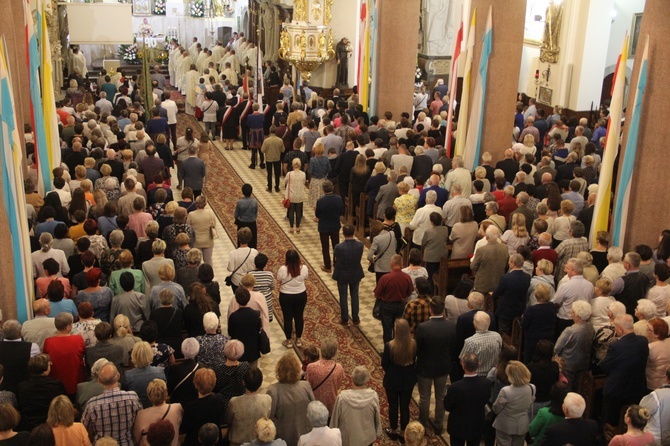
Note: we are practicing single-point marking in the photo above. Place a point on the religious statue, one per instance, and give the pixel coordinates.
(436, 22)
(285, 47)
(303, 45)
(270, 34)
(145, 29)
(552, 29)
(323, 45)
(219, 8)
(343, 51)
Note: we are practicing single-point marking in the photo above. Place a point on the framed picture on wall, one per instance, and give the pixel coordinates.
(544, 95)
(141, 7)
(634, 34)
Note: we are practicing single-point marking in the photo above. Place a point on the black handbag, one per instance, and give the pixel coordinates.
(263, 340)
(229, 278)
(377, 310)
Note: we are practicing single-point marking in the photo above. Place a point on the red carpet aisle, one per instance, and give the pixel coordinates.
(322, 311)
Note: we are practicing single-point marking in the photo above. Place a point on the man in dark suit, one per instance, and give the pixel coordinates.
(625, 365)
(465, 403)
(522, 203)
(509, 166)
(574, 430)
(434, 339)
(194, 171)
(345, 162)
(329, 209)
(348, 270)
(586, 214)
(14, 356)
(510, 295)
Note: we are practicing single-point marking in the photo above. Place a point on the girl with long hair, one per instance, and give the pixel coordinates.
(400, 377)
(292, 296)
(358, 178)
(517, 235)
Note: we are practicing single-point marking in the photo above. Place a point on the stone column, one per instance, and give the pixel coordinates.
(649, 213)
(503, 72)
(396, 55)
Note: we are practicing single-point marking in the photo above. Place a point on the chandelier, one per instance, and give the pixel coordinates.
(307, 41)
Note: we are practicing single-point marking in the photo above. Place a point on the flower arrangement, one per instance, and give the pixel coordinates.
(129, 53)
(197, 8)
(162, 56)
(159, 7)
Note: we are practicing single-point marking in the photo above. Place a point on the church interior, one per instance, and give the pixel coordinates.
(595, 64)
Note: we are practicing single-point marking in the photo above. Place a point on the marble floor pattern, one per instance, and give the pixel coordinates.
(308, 245)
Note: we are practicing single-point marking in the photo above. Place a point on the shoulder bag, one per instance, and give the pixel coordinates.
(176, 154)
(263, 339)
(144, 433)
(229, 278)
(325, 379)
(371, 267)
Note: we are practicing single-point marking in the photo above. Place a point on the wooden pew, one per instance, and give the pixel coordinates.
(449, 274)
(360, 213)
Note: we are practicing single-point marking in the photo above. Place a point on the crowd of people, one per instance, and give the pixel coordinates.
(126, 345)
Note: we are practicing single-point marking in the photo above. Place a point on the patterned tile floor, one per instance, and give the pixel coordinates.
(307, 245)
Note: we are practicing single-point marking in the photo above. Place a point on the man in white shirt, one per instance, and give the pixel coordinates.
(459, 175)
(403, 158)
(576, 288)
(421, 221)
(171, 107)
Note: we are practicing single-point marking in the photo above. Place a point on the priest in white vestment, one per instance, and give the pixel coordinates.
(218, 51)
(171, 63)
(232, 59)
(199, 61)
(191, 89)
(230, 74)
(184, 67)
(176, 80)
(208, 59)
(194, 45)
(79, 62)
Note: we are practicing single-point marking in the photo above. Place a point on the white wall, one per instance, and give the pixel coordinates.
(344, 24)
(621, 25)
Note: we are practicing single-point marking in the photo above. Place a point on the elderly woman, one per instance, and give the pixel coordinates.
(187, 274)
(230, 376)
(99, 296)
(166, 274)
(107, 221)
(319, 168)
(102, 182)
(61, 419)
(85, 326)
(659, 353)
(606, 334)
(179, 254)
(138, 378)
(644, 312)
(203, 222)
(167, 218)
(98, 242)
(512, 406)
(405, 206)
(109, 259)
(157, 393)
(317, 414)
(480, 174)
(573, 346)
(123, 336)
(463, 235)
(207, 408)
(415, 434)
(356, 411)
(325, 375)
(266, 432)
(539, 320)
(543, 275)
(600, 303)
(491, 209)
(47, 252)
(590, 272)
(295, 194)
(144, 250)
(212, 343)
(180, 375)
(67, 354)
(177, 227)
(290, 398)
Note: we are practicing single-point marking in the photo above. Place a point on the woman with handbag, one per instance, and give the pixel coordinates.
(181, 153)
(398, 362)
(513, 406)
(295, 194)
(325, 375)
(292, 296)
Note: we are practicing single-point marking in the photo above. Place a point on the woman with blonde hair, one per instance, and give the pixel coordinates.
(319, 168)
(400, 377)
(415, 434)
(290, 398)
(295, 194)
(61, 419)
(636, 419)
(100, 199)
(512, 406)
(265, 434)
(480, 174)
(405, 206)
(157, 393)
(138, 378)
(123, 336)
(563, 222)
(517, 235)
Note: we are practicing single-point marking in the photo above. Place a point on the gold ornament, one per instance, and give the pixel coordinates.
(300, 10)
(328, 16)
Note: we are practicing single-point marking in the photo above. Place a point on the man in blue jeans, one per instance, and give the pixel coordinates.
(393, 289)
(348, 270)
